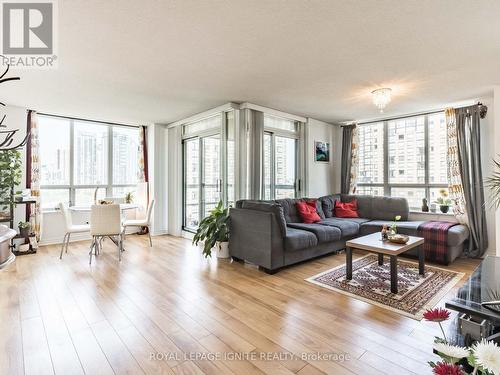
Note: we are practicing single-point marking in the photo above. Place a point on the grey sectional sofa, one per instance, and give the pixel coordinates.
(272, 235)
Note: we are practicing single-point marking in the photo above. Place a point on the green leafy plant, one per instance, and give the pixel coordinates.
(394, 227)
(10, 176)
(493, 183)
(129, 197)
(213, 228)
(443, 199)
(24, 225)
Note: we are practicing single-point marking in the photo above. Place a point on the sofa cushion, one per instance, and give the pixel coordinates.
(272, 207)
(324, 233)
(307, 211)
(348, 227)
(327, 204)
(297, 239)
(346, 210)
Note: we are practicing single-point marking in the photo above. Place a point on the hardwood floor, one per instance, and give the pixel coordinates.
(163, 310)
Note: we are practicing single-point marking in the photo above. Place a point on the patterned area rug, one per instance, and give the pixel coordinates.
(372, 283)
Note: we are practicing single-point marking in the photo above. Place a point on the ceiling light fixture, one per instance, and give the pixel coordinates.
(381, 97)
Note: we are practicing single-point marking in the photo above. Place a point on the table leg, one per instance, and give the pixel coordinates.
(381, 259)
(394, 274)
(421, 261)
(348, 263)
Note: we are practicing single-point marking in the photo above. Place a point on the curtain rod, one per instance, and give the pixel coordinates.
(87, 120)
(407, 116)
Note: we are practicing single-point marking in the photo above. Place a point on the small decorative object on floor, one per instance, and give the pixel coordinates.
(482, 358)
(425, 206)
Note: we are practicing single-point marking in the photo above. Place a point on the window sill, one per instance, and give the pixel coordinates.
(439, 213)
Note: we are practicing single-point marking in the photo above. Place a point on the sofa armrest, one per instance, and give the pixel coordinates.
(255, 236)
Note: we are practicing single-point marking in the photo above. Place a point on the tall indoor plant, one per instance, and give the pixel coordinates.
(214, 231)
(10, 176)
(493, 183)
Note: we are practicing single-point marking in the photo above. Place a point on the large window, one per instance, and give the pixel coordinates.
(208, 163)
(79, 156)
(280, 158)
(403, 157)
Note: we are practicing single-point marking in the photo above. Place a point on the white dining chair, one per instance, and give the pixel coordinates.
(70, 227)
(145, 222)
(105, 221)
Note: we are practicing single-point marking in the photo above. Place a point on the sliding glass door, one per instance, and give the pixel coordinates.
(211, 183)
(202, 178)
(208, 163)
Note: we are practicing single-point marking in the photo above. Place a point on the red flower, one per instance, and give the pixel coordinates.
(436, 315)
(443, 368)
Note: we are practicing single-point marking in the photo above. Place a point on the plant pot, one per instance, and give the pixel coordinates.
(222, 249)
(444, 209)
(24, 232)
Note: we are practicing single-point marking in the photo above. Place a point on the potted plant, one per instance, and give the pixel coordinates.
(493, 183)
(129, 197)
(394, 227)
(443, 201)
(10, 176)
(24, 229)
(214, 231)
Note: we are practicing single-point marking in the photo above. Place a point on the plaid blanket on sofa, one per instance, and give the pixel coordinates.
(435, 234)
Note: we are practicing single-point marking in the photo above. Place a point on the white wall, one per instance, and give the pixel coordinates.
(321, 176)
(158, 176)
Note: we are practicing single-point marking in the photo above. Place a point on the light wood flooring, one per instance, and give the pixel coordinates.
(64, 317)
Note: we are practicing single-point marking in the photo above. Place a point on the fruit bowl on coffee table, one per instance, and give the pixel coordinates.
(398, 238)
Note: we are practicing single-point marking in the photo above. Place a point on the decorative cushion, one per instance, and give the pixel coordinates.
(327, 204)
(345, 210)
(307, 211)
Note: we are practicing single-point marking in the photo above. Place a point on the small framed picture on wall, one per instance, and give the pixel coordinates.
(321, 152)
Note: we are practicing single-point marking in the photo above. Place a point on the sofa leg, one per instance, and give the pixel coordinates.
(237, 260)
(268, 271)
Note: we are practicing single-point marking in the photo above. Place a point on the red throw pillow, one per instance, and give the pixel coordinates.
(307, 211)
(349, 209)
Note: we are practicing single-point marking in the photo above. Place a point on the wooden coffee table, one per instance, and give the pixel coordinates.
(374, 244)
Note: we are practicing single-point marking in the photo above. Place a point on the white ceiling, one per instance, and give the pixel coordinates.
(159, 61)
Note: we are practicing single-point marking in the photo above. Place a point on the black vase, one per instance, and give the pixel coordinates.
(444, 209)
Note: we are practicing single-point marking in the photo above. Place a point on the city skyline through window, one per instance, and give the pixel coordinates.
(78, 156)
(405, 157)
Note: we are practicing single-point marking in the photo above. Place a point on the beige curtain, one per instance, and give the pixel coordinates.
(454, 177)
(354, 160)
(34, 155)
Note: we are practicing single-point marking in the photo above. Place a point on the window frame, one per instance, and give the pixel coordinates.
(72, 187)
(387, 187)
(227, 119)
(283, 133)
